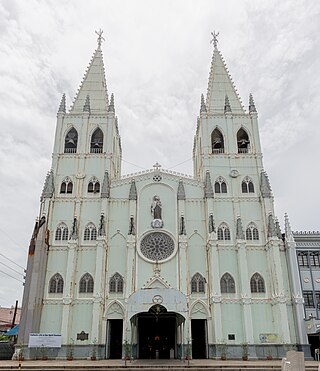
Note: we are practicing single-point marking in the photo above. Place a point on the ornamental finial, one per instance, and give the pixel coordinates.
(100, 37)
(214, 39)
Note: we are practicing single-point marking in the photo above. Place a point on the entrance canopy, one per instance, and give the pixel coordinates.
(172, 299)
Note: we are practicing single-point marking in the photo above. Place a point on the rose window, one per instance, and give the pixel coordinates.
(157, 246)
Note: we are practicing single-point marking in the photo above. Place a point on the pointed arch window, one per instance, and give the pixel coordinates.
(94, 185)
(198, 283)
(96, 143)
(224, 232)
(56, 284)
(71, 141)
(220, 185)
(62, 232)
(217, 141)
(257, 284)
(66, 186)
(90, 232)
(252, 233)
(116, 283)
(247, 185)
(243, 141)
(227, 284)
(86, 283)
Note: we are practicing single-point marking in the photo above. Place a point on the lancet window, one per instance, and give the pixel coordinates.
(247, 185)
(90, 232)
(71, 141)
(116, 283)
(224, 232)
(56, 284)
(252, 233)
(217, 141)
(86, 283)
(62, 232)
(220, 185)
(66, 186)
(257, 283)
(227, 284)
(198, 283)
(94, 185)
(243, 141)
(96, 143)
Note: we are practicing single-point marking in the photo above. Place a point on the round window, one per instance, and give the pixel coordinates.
(157, 246)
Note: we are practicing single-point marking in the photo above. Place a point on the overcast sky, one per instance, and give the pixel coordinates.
(157, 56)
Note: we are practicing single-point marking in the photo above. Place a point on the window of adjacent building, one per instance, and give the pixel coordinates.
(247, 185)
(257, 284)
(243, 141)
(116, 283)
(308, 299)
(252, 233)
(314, 259)
(217, 141)
(223, 232)
(198, 283)
(94, 185)
(86, 283)
(96, 143)
(61, 232)
(220, 185)
(66, 186)
(71, 141)
(303, 259)
(56, 284)
(90, 232)
(227, 284)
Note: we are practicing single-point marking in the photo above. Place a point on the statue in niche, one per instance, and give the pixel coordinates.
(211, 224)
(156, 211)
(74, 231)
(131, 226)
(182, 226)
(102, 230)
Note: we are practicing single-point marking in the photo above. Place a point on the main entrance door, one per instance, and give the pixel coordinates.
(157, 333)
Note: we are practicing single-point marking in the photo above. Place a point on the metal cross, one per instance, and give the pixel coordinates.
(157, 166)
(100, 37)
(214, 38)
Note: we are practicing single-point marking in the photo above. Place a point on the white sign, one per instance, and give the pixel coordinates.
(44, 341)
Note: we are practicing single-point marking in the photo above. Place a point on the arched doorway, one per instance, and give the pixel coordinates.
(158, 332)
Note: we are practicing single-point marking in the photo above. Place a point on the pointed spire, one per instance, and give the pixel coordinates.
(86, 107)
(271, 227)
(227, 108)
(240, 233)
(62, 107)
(278, 229)
(220, 84)
(208, 191)
(93, 83)
(181, 195)
(252, 107)
(48, 188)
(111, 105)
(133, 191)
(288, 231)
(105, 190)
(203, 108)
(265, 187)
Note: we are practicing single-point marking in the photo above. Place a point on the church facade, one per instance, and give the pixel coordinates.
(159, 264)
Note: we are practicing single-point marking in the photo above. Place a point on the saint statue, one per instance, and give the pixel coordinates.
(156, 208)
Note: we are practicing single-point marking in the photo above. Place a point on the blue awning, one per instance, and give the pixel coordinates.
(13, 332)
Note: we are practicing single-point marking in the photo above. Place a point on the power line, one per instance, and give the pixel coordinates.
(13, 262)
(9, 275)
(180, 163)
(15, 242)
(134, 164)
(20, 274)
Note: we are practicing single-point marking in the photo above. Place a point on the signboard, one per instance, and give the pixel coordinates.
(44, 341)
(268, 338)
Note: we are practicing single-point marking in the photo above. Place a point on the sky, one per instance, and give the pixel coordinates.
(157, 56)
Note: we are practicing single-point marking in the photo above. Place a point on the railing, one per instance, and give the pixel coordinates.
(95, 150)
(243, 150)
(217, 150)
(70, 150)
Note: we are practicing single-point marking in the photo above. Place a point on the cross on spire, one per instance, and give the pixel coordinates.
(214, 38)
(100, 37)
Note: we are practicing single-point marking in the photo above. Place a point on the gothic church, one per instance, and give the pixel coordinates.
(158, 264)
